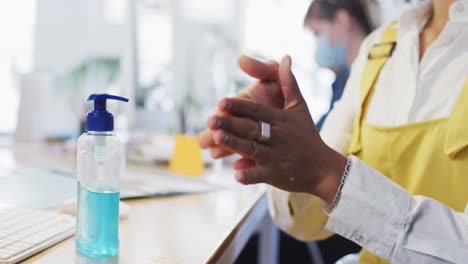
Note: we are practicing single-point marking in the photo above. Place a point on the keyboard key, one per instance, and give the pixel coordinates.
(5, 255)
(6, 241)
(7, 251)
(37, 238)
(26, 230)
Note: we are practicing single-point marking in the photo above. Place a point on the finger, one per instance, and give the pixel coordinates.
(241, 127)
(259, 70)
(246, 108)
(246, 148)
(291, 93)
(205, 139)
(219, 153)
(265, 93)
(251, 176)
(245, 94)
(243, 164)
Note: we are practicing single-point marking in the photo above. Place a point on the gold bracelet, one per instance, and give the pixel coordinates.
(336, 200)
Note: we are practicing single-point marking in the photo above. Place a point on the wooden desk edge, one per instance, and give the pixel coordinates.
(259, 208)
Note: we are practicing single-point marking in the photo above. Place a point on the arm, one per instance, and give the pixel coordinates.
(382, 217)
(299, 214)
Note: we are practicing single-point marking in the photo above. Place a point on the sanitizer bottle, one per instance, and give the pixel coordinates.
(100, 163)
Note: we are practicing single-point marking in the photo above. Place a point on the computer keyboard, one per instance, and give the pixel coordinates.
(24, 232)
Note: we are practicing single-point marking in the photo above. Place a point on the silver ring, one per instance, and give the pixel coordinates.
(265, 132)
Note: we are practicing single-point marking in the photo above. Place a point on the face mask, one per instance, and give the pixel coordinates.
(328, 56)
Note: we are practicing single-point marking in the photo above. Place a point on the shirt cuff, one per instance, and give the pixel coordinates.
(372, 210)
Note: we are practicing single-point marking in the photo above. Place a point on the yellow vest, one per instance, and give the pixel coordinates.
(427, 158)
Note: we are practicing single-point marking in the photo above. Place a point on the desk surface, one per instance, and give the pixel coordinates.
(185, 229)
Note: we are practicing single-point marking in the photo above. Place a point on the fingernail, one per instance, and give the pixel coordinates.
(227, 105)
(218, 123)
(225, 138)
(240, 177)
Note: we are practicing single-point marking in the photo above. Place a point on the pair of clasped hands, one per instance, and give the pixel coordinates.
(294, 158)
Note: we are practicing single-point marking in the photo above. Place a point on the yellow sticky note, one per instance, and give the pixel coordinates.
(187, 157)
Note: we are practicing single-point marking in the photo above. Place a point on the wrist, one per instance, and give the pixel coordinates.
(334, 165)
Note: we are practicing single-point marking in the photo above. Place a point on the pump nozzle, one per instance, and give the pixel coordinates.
(100, 119)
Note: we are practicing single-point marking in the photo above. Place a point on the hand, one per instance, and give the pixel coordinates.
(294, 158)
(266, 91)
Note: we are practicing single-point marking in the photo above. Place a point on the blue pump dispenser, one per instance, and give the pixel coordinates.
(100, 119)
(100, 164)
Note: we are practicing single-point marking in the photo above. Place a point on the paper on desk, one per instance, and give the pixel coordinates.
(147, 185)
(38, 188)
(34, 188)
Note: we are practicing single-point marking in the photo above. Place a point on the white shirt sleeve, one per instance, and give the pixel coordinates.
(382, 217)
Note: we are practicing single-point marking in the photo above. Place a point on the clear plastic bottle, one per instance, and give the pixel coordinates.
(100, 163)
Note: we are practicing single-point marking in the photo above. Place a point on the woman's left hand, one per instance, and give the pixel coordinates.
(294, 158)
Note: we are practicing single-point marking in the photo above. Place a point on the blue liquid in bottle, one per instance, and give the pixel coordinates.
(97, 222)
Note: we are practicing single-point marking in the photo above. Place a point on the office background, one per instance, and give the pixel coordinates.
(174, 59)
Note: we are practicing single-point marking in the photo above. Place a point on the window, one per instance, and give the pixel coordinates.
(16, 55)
(269, 29)
(275, 27)
(154, 40)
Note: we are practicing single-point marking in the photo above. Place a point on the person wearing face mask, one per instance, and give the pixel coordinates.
(340, 27)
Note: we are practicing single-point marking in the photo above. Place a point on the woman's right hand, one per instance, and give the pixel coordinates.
(265, 91)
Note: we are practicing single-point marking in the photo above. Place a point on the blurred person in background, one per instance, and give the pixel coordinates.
(340, 27)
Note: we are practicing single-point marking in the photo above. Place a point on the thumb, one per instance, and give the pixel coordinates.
(291, 93)
(259, 70)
